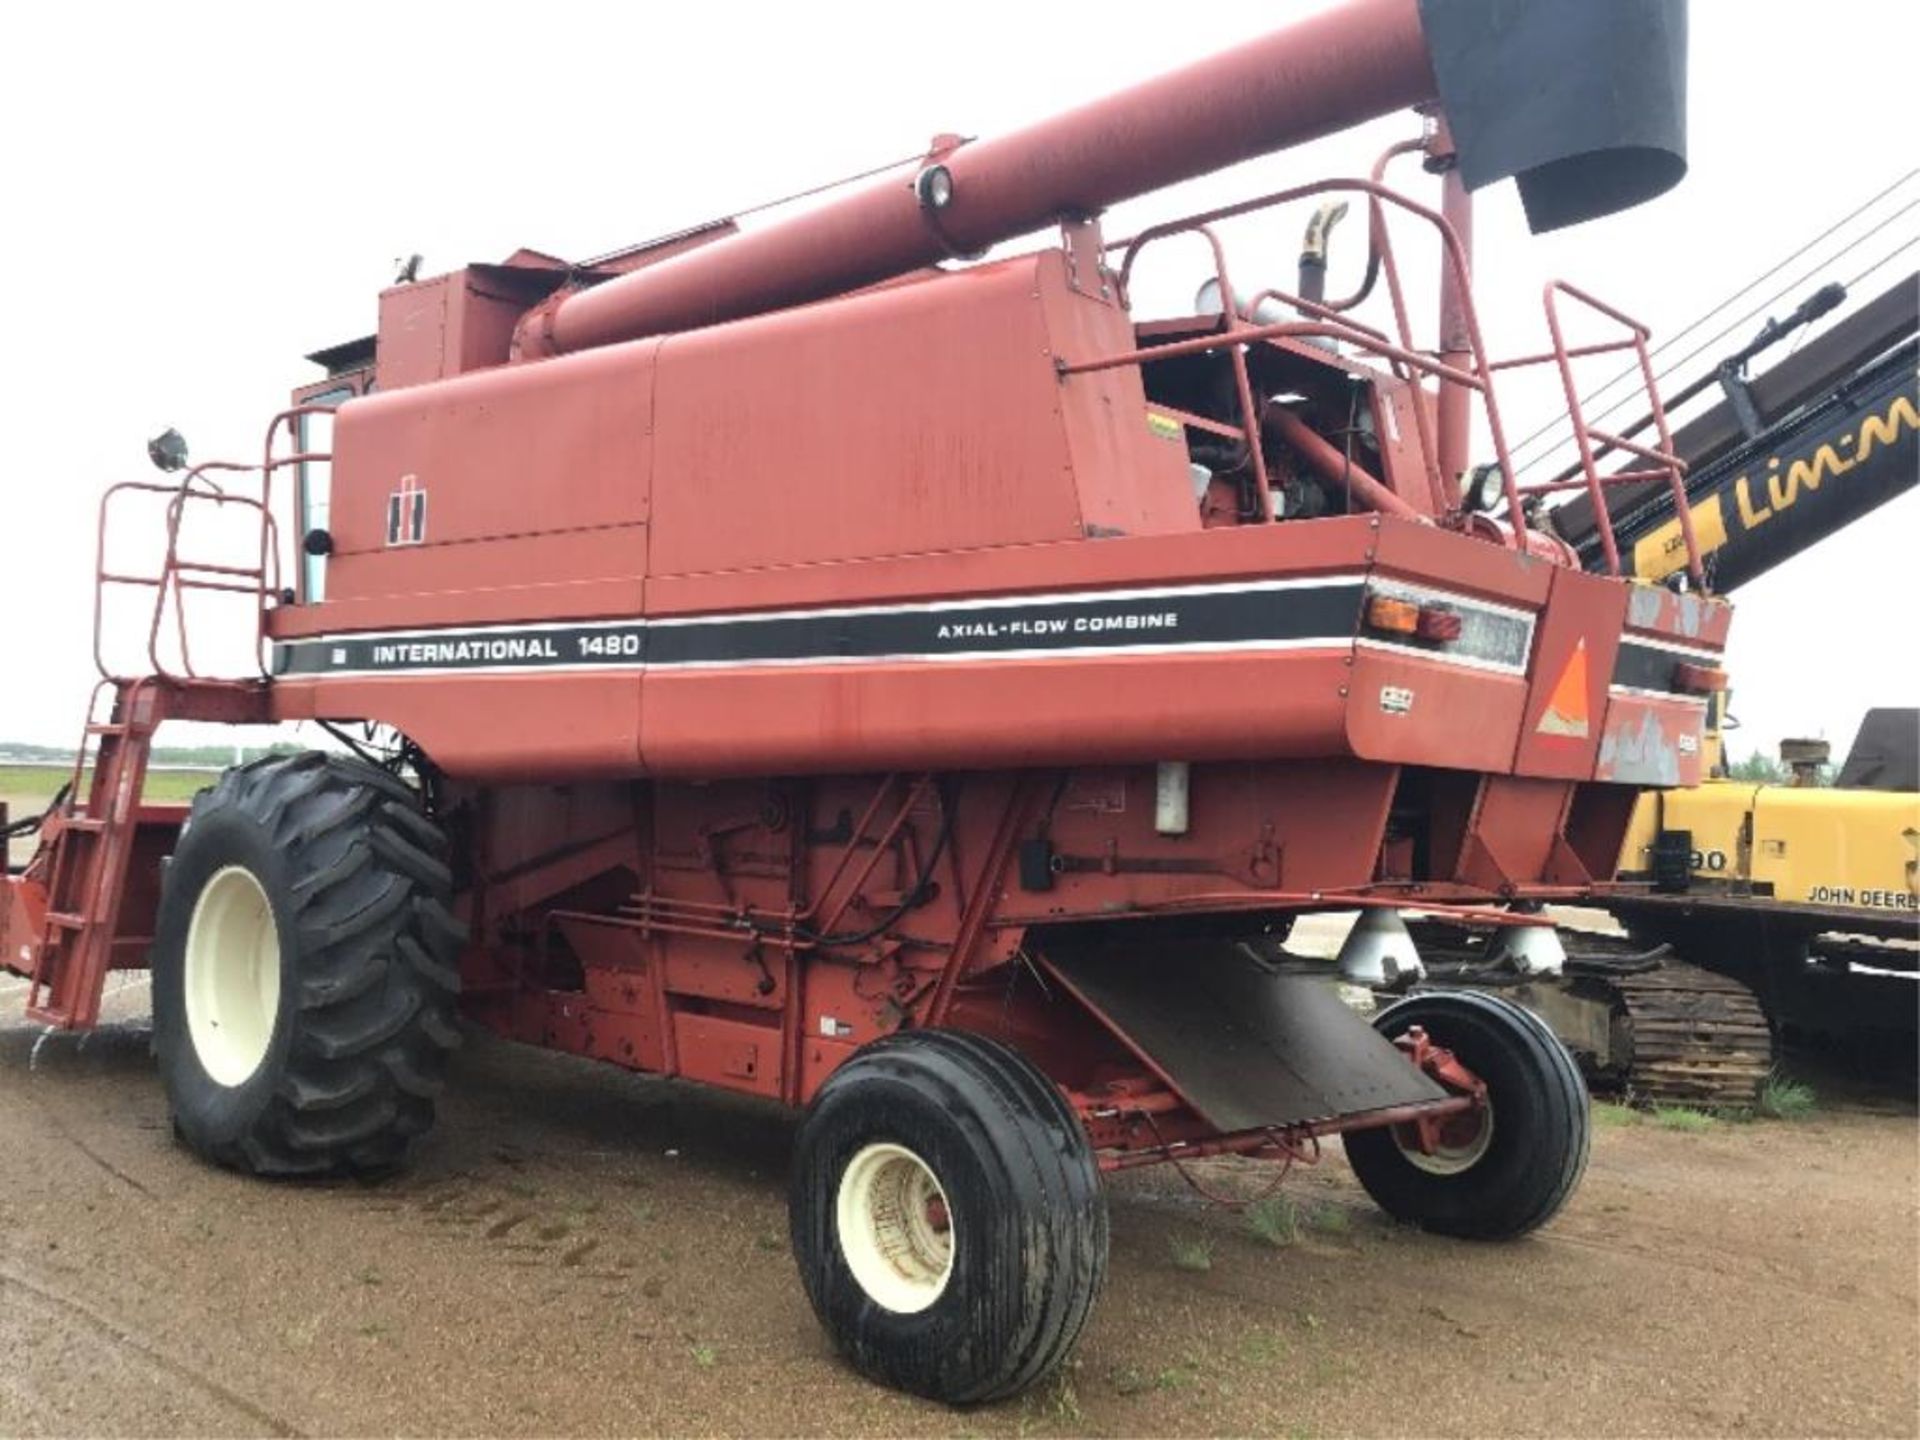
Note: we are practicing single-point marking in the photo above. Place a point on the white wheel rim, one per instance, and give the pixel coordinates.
(895, 1228)
(1447, 1159)
(232, 975)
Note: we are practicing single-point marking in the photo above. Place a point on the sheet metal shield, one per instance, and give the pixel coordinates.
(1245, 1045)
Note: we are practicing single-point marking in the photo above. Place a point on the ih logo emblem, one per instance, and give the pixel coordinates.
(407, 513)
(1567, 707)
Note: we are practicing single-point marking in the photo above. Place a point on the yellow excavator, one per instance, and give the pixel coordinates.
(1802, 889)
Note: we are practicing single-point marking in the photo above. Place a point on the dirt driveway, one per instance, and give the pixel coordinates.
(580, 1251)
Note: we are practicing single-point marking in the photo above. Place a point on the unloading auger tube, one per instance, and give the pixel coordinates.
(1605, 132)
(912, 703)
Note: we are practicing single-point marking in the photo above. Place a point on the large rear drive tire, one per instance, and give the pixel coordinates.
(947, 1216)
(1513, 1171)
(304, 969)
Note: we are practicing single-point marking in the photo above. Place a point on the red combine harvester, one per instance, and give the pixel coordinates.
(927, 693)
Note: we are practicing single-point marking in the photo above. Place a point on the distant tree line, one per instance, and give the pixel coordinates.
(162, 754)
(1761, 768)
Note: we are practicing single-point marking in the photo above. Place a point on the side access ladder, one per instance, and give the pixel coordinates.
(91, 847)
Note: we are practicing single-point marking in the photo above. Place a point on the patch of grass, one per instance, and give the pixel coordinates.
(1262, 1347)
(1063, 1400)
(368, 1276)
(175, 785)
(1131, 1380)
(1328, 1368)
(1784, 1099)
(769, 1240)
(643, 1211)
(37, 782)
(1679, 1117)
(1274, 1221)
(27, 784)
(1331, 1219)
(1609, 1115)
(705, 1356)
(1193, 1253)
(372, 1330)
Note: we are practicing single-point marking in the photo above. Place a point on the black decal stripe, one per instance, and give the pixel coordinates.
(1228, 618)
(1250, 616)
(1650, 667)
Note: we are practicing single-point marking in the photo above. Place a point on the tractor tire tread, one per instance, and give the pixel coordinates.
(1019, 1126)
(376, 977)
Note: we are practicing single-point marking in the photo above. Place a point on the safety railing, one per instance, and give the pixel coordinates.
(177, 575)
(1329, 320)
(1664, 466)
(1397, 349)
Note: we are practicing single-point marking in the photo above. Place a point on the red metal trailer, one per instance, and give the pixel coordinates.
(924, 693)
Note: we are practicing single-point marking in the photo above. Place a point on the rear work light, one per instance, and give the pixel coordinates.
(1394, 617)
(1391, 615)
(1698, 679)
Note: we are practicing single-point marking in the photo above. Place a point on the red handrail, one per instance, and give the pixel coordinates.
(177, 575)
(1667, 464)
(1239, 330)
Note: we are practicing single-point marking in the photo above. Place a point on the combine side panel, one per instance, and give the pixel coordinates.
(920, 417)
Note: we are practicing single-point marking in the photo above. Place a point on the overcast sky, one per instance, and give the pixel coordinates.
(198, 195)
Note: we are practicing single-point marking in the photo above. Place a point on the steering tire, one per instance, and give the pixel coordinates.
(1502, 1171)
(947, 1216)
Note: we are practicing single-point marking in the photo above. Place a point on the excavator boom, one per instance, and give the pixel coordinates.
(1785, 459)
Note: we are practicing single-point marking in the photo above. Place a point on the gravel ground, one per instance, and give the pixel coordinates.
(580, 1251)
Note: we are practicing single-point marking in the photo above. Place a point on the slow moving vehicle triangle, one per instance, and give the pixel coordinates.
(1566, 712)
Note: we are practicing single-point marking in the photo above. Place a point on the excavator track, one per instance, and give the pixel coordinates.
(1697, 1038)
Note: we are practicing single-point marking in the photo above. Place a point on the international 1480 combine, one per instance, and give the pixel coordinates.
(926, 692)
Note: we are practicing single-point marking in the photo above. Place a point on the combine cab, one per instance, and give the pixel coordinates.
(921, 692)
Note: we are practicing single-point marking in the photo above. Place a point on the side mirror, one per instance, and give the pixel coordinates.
(168, 450)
